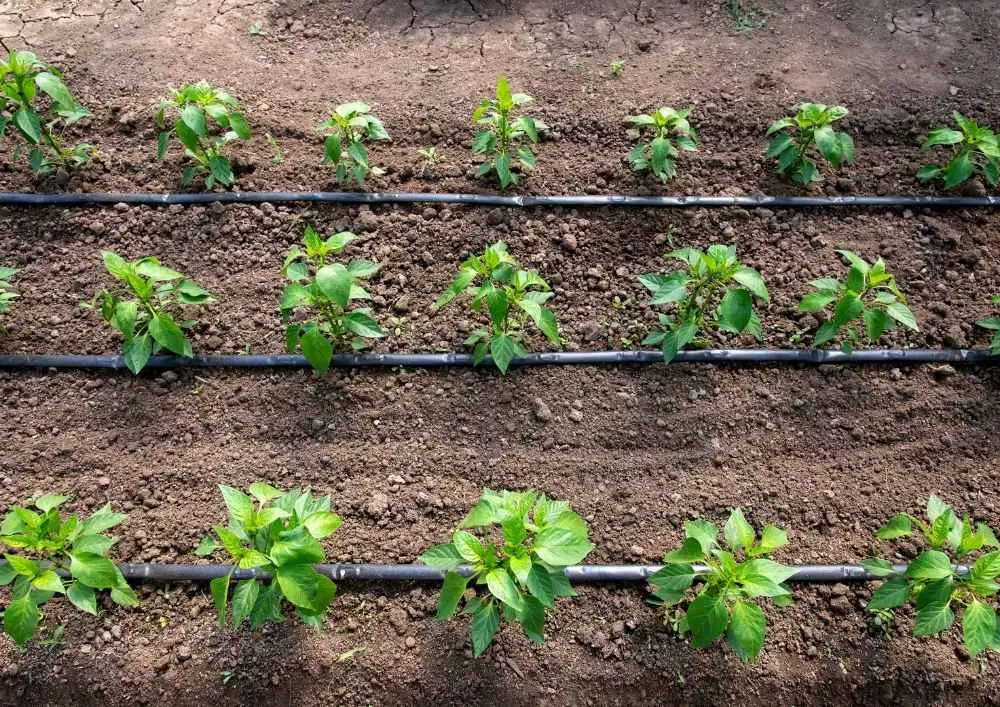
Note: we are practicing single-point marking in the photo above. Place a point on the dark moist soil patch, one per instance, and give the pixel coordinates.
(828, 453)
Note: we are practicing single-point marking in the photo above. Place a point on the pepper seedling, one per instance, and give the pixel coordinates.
(735, 572)
(348, 128)
(990, 323)
(6, 295)
(501, 134)
(669, 130)
(494, 283)
(57, 555)
(868, 295)
(932, 583)
(326, 290)
(147, 320)
(715, 293)
(24, 78)
(795, 138)
(515, 580)
(277, 532)
(975, 150)
(197, 106)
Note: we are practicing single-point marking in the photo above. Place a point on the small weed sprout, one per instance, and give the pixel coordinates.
(145, 313)
(501, 134)
(494, 284)
(738, 572)
(6, 295)
(976, 150)
(747, 15)
(197, 106)
(617, 68)
(520, 577)
(716, 292)
(669, 130)
(276, 532)
(23, 79)
(326, 290)
(931, 583)
(811, 127)
(278, 156)
(347, 130)
(869, 295)
(990, 323)
(57, 556)
(430, 154)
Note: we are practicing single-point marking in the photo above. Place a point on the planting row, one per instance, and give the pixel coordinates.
(713, 292)
(506, 564)
(205, 119)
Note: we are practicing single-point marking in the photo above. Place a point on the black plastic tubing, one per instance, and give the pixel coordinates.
(674, 202)
(432, 360)
(578, 574)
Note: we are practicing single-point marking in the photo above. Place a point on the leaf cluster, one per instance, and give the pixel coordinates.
(932, 583)
(495, 284)
(57, 556)
(975, 150)
(147, 319)
(207, 119)
(794, 138)
(868, 295)
(716, 292)
(526, 541)
(990, 323)
(6, 296)
(348, 128)
(326, 290)
(22, 77)
(276, 532)
(670, 132)
(501, 135)
(732, 573)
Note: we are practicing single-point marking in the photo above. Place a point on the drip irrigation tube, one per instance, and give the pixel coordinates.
(431, 360)
(674, 202)
(578, 574)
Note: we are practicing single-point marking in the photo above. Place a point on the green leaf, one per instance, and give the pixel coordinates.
(504, 349)
(317, 349)
(771, 538)
(238, 504)
(294, 547)
(451, 594)
(876, 322)
(322, 524)
(703, 531)
(93, 570)
(219, 588)
(559, 547)
(442, 557)
(891, 593)
(485, 624)
(738, 533)
(48, 581)
(244, 598)
(360, 323)
(540, 585)
(902, 314)
(671, 582)
(690, 551)
(468, 546)
(987, 566)
(752, 280)
(735, 310)
(299, 583)
(194, 118)
(979, 626)
(958, 170)
(136, 353)
(747, 627)
(82, 597)
(239, 125)
(943, 136)
(930, 564)
(49, 501)
(532, 620)
(221, 169)
(707, 616)
(933, 618)
(28, 123)
(20, 619)
(335, 282)
(502, 586)
(899, 526)
(165, 331)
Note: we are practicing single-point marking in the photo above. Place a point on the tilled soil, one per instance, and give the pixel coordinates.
(827, 453)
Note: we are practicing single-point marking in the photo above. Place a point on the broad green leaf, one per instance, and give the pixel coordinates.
(958, 170)
(932, 619)
(671, 582)
(540, 585)
(504, 349)
(20, 619)
(707, 617)
(296, 546)
(93, 570)
(335, 282)
(703, 531)
(136, 353)
(747, 627)
(771, 538)
(451, 594)
(689, 552)
(317, 350)
(532, 619)
(49, 501)
(165, 331)
(238, 504)
(987, 566)
(485, 624)
(194, 118)
(979, 626)
(902, 314)
(82, 597)
(322, 524)
(735, 311)
(738, 533)
(891, 593)
(221, 169)
(899, 526)
(442, 557)
(244, 597)
(752, 280)
(502, 586)
(48, 581)
(219, 588)
(930, 564)
(468, 546)
(299, 584)
(559, 547)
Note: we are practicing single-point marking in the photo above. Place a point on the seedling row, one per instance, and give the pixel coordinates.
(505, 564)
(38, 108)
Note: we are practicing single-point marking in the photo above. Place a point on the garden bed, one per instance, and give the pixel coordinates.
(827, 453)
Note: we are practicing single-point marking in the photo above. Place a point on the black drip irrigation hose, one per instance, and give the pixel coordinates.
(591, 358)
(672, 202)
(578, 574)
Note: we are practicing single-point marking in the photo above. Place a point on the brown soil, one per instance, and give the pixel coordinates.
(827, 453)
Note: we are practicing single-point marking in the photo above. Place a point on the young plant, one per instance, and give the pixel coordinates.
(868, 295)
(811, 126)
(494, 283)
(22, 77)
(669, 130)
(197, 106)
(991, 323)
(933, 584)
(145, 310)
(430, 154)
(57, 556)
(716, 293)
(975, 150)
(517, 579)
(737, 571)
(617, 68)
(275, 532)
(6, 295)
(501, 134)
(326, 290)
(347, 130)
